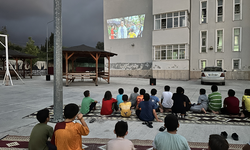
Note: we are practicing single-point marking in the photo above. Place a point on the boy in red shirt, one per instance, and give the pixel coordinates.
(231, 104)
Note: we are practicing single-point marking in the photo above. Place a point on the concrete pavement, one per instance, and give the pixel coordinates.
(22, 99)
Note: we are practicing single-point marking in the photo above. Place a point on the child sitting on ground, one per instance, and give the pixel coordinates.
(67, 134)
(217, 142)
(170, 140)
(231, 104)
(119, 97)
(246, 104)
(88, 103)
(202, 103)
(41, 132)
(109, 104)
(179, 105)
(121, 130)
(140, 98)
(214, 98)
(125, 106)
(156, 100)
(133, 97)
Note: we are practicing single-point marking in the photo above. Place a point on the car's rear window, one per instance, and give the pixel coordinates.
(212, 69)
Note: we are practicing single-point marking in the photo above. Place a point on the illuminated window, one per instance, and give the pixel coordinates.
(219, 63)
(203, 63)
(220, 11)
(237, 9)
(236, 39)
(171, 20)
(170, 52)
(203, 12)
(219, 41)
(203, 41)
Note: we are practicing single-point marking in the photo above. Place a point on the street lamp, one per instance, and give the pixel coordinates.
(47, 49)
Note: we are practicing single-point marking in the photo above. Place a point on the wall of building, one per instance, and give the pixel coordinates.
(227, 25)
(133, 54)
(171, 36)
(163, 6)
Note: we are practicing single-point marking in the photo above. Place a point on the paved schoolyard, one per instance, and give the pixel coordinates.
(22, 99)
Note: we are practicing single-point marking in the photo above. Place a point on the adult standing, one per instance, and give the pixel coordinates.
(122, 31)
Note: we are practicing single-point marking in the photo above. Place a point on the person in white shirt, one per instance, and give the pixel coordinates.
(121, 130)
(166, 99)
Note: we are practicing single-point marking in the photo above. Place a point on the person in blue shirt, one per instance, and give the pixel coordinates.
(155, 100)
(147, 112)
(119, 97)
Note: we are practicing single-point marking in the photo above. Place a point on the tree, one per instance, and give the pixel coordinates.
(32, 49)
(100, 45)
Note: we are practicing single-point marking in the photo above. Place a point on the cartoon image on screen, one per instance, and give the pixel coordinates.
(127, 27)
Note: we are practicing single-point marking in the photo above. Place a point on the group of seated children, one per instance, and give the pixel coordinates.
(67, 134)
(177, 103)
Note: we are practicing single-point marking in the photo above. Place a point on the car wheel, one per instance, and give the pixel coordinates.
(223, 83)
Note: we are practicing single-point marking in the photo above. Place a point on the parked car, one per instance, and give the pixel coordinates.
(213, 75)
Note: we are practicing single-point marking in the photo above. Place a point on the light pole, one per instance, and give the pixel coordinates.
(47, 49)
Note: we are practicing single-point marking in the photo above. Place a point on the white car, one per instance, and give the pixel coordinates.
(213, 75)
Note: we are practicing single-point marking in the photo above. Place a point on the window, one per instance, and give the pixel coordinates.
(236, 39)
(237, 10)
(170, 52)
(203, 12)
(220, 11)
(157, 53)
(219, 41)
(203, 63)
(219, 63)
(236, 63)
(203, 41)
(171, 20)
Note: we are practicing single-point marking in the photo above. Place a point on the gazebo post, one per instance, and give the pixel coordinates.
(30, 68)
(72, 64)
(108, 68)
(96, 57)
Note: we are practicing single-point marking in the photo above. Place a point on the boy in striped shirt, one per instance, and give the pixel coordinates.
(214, 99)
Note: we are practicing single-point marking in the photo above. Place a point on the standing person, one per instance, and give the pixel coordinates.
(133, 97)
(166, 99)
(125, 106)
(88, 103)
(121, 130)
(215, 101)
(112, 33)
(231, 104)
(156, 100)
(246, 103)
(170, 140)
(146, 111)
(179, 105)
(119, 97)
(41, 132)
(108, 104)
(122, 31)
(140, 97)
(202, 103)
(217, 142)
(67, 134)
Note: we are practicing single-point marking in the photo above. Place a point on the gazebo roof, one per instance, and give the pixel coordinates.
(83, 51)
(16, 54)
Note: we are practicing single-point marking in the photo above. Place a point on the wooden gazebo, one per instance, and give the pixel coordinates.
(75, 52)
(16, 55)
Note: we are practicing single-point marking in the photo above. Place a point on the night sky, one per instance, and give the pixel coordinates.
(82, 21)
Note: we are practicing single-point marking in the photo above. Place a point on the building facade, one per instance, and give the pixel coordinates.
(220, 33)
(180, 38)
